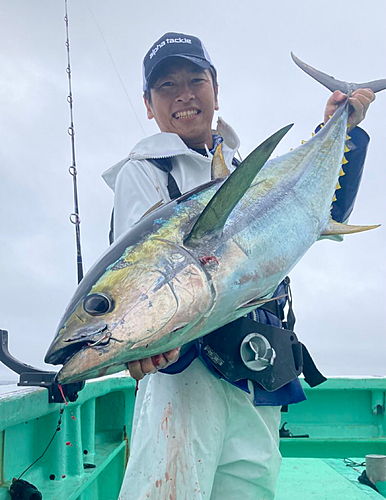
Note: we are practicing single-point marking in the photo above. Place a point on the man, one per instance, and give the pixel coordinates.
(195, 435)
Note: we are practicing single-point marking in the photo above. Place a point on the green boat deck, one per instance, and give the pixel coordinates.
(321, 479)
(344, 418)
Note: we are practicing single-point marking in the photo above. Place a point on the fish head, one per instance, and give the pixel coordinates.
(140, 306)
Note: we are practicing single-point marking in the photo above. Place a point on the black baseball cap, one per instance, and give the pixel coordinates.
(175, 45)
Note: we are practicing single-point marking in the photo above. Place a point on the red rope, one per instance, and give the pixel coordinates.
(62, 393)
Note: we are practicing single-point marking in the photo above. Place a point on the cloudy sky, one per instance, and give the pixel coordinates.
(338, 288)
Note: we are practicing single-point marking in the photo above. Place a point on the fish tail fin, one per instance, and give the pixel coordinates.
(336, 228)
(333, 84)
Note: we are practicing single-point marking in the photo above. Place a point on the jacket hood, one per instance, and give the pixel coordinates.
(164, 144)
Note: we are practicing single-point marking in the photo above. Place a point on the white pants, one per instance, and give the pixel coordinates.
(197, 437)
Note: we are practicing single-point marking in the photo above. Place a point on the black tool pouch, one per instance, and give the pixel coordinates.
(246, 349)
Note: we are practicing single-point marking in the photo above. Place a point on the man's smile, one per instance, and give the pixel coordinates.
(186, 114)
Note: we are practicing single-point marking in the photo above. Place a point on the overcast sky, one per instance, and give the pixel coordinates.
(338, 288)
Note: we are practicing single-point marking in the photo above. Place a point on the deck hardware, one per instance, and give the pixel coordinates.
(286, 433)
(378, 402)
(33, 377)
(23, 489)
(363, 479)
(351, 463)
(376, 472)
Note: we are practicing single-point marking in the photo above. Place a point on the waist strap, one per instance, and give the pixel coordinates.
(221, 351)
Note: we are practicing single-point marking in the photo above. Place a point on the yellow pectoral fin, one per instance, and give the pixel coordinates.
(335, 228)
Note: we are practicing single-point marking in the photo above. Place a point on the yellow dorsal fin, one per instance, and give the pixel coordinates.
(154, 207)
(259, 302)
(219, 167)
(335, 228)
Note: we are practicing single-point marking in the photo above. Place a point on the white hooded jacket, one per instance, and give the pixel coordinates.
(139, 185)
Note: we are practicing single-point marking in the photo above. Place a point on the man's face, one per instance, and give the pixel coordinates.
(183, 101)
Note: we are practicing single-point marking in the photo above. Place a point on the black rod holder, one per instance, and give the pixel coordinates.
(29, 376)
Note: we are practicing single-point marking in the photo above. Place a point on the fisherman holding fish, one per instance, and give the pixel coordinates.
(207, 415)
(195, 434)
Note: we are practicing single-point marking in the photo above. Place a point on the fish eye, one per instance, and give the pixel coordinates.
(97, 304)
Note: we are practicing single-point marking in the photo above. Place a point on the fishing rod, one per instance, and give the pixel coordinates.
(74, 217)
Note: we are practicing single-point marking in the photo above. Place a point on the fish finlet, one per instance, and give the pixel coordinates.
(338, 186)
(344, 160)
(342, 172)
(347, 137)
(303, 141)
(346, 149)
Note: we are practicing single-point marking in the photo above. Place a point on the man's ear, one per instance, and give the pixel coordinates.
(216, 105)
(149, 111)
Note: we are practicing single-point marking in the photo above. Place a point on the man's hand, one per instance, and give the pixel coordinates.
(138, 369)
(360, 101)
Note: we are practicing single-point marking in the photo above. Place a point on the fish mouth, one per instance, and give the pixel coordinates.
(86, 337)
